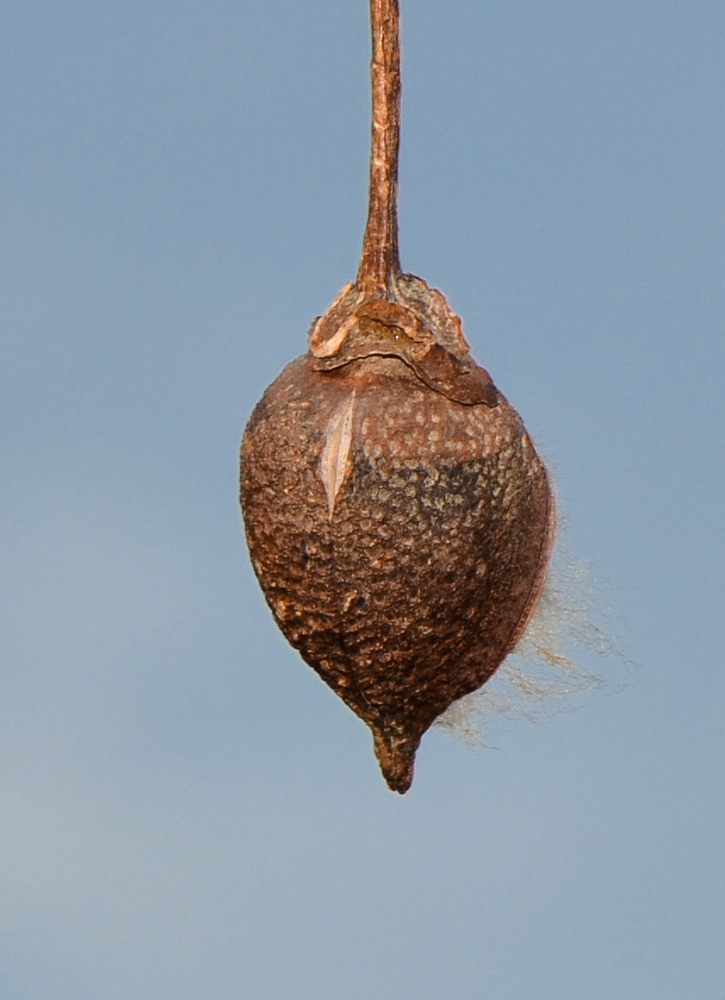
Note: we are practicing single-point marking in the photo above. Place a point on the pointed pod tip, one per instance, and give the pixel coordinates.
(395, 752)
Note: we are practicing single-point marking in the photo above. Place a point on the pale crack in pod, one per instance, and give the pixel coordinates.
(334, 458)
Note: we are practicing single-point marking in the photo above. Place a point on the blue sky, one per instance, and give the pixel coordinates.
(185, 810)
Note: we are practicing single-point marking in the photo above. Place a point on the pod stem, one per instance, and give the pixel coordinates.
(380, 262)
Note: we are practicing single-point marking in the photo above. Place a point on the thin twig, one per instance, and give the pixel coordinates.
(380, 261)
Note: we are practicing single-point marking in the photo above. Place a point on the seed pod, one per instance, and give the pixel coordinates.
(401, 535)
(398, 517)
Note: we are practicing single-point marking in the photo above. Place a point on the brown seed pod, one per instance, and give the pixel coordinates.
(398, 517)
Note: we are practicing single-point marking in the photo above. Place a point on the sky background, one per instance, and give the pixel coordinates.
(186, 811)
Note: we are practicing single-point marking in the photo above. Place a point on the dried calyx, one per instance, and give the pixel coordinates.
(412, 323)
(398, 517)
(388, 313)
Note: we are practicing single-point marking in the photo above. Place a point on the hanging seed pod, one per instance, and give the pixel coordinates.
(398, 517)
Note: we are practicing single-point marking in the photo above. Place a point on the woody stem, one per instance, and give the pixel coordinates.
(380, 261)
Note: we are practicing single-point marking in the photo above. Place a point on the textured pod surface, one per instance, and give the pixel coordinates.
(401, 538)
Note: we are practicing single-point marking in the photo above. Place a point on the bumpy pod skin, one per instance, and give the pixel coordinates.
(401, 538)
